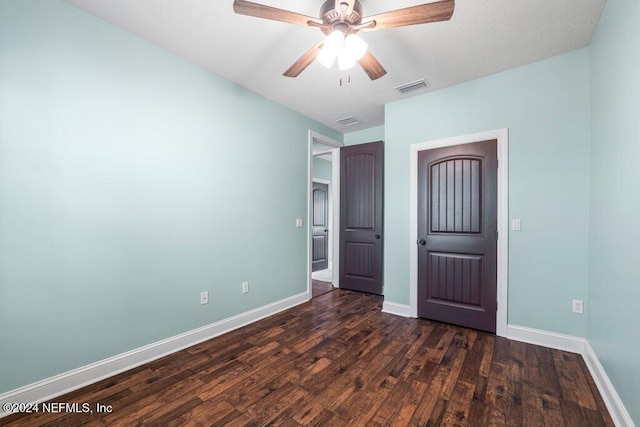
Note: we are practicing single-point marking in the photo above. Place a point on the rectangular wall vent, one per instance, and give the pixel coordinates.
(409, 87)
(348, 121)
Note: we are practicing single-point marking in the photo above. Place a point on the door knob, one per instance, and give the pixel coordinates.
(326, 230)
(377, 236)
(422, 242)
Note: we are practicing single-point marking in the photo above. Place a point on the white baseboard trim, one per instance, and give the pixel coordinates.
(546, 339)
(58, 385)
(397, 309)
(572, 344)
(614, 404)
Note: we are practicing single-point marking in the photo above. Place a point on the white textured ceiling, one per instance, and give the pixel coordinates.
(482, 38)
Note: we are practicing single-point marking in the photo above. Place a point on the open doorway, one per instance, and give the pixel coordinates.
(323, 214)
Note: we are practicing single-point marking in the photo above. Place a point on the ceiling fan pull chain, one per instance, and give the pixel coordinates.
(348, 79)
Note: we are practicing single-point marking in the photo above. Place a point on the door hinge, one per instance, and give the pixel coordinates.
(496, 305)
(497, 236)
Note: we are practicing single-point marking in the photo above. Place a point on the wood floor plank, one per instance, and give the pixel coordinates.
(154, 403)
(457, 412)
(478, 411)
(540, 409)
(437, 414)
(314, 414)
(319, 288)
(505, 400)
(276, 402)
(437, 354)
(419, 338)
(541, 370)
(235, 392)
(362, 406)
(338, 360)
(516, 365)
(572, 380)
(242, 399)
(602, 407)
(409, 404)
(572, 414)
(386, 412)
(172, 410)
(454, 358)
(487, 357)
(427, 404)
(212, 411)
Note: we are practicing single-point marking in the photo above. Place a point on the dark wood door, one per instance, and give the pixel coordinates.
(320, 224)
(457, 235)
(361, 184)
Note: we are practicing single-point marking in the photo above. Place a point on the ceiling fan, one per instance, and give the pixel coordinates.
(340, 20)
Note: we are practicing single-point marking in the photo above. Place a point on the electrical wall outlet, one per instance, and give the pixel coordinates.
(577, 306)
(245, 287)
(204, 297)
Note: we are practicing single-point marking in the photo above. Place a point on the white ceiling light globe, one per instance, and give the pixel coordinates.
(356, 46)
(331, 48)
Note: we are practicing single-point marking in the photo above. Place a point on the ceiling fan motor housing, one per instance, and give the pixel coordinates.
(331, 16)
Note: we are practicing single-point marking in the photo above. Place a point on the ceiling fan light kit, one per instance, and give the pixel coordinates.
(345, 60)
(331, 49)
(355, 46)
(340, 20)
(348, 50)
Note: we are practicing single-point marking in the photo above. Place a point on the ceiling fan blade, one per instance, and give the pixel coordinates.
(304, 61)
(248, 8)
(421, 14)
(371, 66)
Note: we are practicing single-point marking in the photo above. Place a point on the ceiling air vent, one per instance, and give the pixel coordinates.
(409, 87)
(348, 121)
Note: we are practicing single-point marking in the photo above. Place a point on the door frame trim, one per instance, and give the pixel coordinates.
(335, 202)
(502, 136)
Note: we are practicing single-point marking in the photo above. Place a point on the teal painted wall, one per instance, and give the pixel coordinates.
(128, 178)
(614, 277)
(545, 105)
(321, 169)
(365, 135)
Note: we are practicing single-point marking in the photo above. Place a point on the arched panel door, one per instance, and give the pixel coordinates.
(457, 234)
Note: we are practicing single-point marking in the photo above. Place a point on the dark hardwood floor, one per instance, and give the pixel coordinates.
(319, 287)
(339, 360)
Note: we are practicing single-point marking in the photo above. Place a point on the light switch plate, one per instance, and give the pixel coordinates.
(516, 224)
(299, 222)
